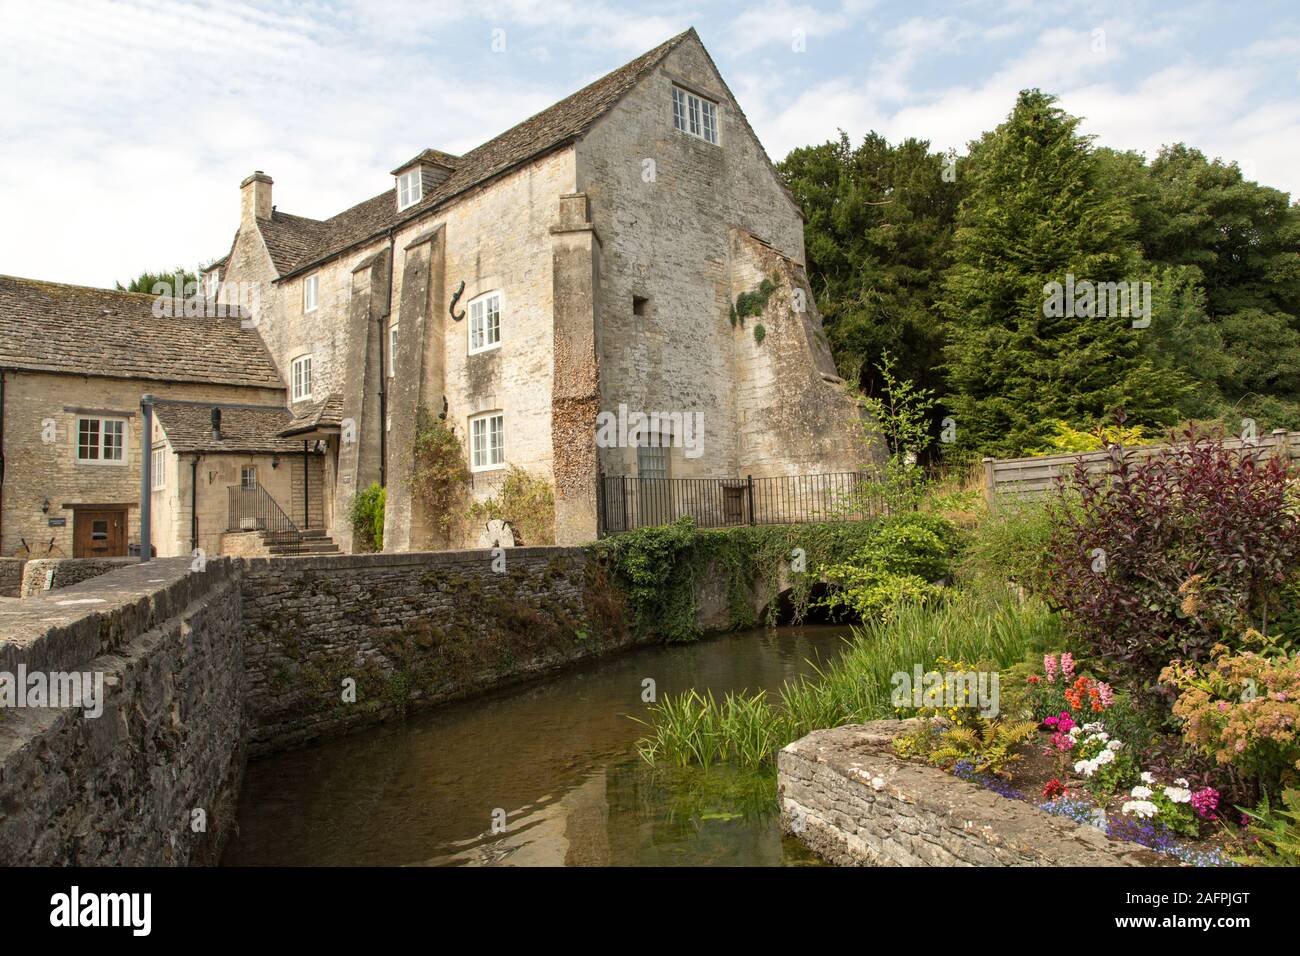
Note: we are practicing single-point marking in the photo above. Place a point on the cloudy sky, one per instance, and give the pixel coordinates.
(125, 127)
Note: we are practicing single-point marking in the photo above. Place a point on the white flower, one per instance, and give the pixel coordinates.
(1141, 808)
(1140, 792)
(1178, 794)
(1114, 745)
(1084, 767)
(1181, 782)
(1103, 736)
(1093, 727)
(1148, 777)
(1108, 756)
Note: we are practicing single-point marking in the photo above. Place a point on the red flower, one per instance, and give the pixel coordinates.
(1053, 788)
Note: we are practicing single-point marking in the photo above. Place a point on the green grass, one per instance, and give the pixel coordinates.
(749, 729)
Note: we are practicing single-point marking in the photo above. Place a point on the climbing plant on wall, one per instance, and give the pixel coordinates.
(660, 569)
(440, 476)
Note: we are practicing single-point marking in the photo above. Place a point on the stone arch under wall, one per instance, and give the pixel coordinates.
(714, 609)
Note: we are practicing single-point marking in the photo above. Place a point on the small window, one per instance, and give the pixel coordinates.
(410, 188)
(213, 284)
(392, 351)
(485, 323)
(487, 441)
(695, 115)
(248, 477)
(640, 306)
(158, 478)
(300, 376)
(310, 293)
(101, 440)
(652, 455)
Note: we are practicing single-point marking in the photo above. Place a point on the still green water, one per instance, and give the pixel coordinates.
(558, 757)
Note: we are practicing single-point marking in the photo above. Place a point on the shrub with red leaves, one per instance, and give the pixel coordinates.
(1195, 544)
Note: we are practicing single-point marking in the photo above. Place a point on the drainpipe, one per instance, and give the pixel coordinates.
(194, 502)
(383, 371)
(2, 451)
(306, 480)
(146, 466)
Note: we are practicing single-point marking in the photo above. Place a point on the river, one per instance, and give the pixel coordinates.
(541, 774)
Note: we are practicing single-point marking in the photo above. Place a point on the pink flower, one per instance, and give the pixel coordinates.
(1067, 665)
(1107, 694)
(1206, 801)
(1049, 666)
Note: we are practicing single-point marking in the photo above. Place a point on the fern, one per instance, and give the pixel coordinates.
(988, 745)
(1276, 831)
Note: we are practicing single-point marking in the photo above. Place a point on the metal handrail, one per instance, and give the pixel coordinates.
(253, 509)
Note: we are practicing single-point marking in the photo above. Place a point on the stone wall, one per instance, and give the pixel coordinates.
(846, 795)
(410, 630)
(11, 576)
(67, 572)
(41, 406)
(153, 778)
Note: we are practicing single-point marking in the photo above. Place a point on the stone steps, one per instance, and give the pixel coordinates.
(314, 541)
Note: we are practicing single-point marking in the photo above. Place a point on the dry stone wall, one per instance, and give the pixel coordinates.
(150, 780)
(334, 643)
(846, 795)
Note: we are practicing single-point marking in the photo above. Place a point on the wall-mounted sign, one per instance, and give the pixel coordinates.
(58, 522)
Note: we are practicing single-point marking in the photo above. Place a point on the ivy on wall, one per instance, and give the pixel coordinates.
(753, 303)
(659, 570)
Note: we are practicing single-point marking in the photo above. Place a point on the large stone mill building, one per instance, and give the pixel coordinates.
(588, 259)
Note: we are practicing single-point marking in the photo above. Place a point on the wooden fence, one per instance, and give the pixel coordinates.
(1031, 476)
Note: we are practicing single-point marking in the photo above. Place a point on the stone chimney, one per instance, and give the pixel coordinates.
(255, 198)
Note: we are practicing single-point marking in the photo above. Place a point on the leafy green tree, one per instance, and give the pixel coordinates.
(1035, 210)
(175, 279)
(878, 239)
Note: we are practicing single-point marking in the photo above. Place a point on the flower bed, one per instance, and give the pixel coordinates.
(1073, 755)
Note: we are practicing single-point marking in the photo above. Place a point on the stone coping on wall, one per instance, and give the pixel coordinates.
(392, 559)
(846, 795)
(62, 629)
(65, 572)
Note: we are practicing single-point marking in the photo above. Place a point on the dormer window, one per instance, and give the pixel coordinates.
(695, 115)
(409, 188)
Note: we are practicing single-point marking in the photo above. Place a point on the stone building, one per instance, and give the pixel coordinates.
(74, 365)
(589, 260)
(610, 296)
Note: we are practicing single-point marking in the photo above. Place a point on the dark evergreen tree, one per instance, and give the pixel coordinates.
(1035, 212)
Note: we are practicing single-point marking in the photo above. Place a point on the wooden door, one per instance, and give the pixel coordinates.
(99, 534)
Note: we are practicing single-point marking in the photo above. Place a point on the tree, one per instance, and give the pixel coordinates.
(177, 279)
(878, 238)
(1035, 212)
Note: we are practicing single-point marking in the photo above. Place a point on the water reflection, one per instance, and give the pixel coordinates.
(557, 758)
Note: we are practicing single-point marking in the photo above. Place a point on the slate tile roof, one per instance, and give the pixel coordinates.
(307, 242)
(48, 326)
(244, 428)
(327, 413)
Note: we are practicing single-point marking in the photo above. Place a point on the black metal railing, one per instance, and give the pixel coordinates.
(252, 509)
(625, 503)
